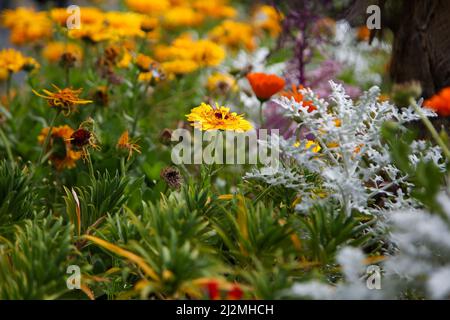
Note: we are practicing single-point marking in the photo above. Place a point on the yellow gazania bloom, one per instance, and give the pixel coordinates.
(144, 62)
(88, 15)
(207, 53)
(124, 143)
(267, 18)
(126, 60)
(148, 6)
(13, 60)
(214, 9)
(182, 17)
(205, 117)
(63, 156)
(148, 24)
(180, 49)
(31, 64)
(310, 144)
(95, 32)
(234, 35)
(125, 24)
(53, 51)
(59, 15)
(26, 25)
(63, 99)
(155, 75)
(204, 52)
(179, 67)
(221, 82)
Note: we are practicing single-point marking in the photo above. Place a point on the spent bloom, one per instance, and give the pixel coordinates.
(63, 99)
(126, 144)
(172, 177)
(205, 117)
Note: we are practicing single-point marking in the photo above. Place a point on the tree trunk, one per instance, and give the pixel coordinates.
(421, 48)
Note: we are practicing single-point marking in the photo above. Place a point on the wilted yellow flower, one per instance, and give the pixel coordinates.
(179, 67)
(62, 156)
(267, 18)
(234, 35)
(182, 17)
(148, 6)
(124, 143)
(221, 82)
(27, 26)
(53, 51)
(205, 117)
(63, 99)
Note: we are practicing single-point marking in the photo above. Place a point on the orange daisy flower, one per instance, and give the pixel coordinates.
(265, 85)
(298, 97)
(440, 102)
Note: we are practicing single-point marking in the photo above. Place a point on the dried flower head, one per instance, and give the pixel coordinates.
(172, 177)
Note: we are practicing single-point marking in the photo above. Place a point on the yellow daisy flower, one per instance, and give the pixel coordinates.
(205, 117)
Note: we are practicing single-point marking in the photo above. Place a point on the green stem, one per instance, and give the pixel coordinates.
(432, 130)
(8, 87)
(89, 161)
(261, 117)
(122, 166)
(47, 138)
(67, 74)
(7, 146)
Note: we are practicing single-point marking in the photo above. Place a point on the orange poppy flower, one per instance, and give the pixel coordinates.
(298, 97)
(440, 102)
(265, 85)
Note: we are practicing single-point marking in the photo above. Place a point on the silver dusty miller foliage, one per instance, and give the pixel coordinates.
(353, 163)
(421, 265)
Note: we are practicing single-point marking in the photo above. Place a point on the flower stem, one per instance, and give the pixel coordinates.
(89, 161)
(47, 138)
(67, 75)
(261, 116)
(7, 146)
(122, 166)
(8, 88)
(432, 130)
